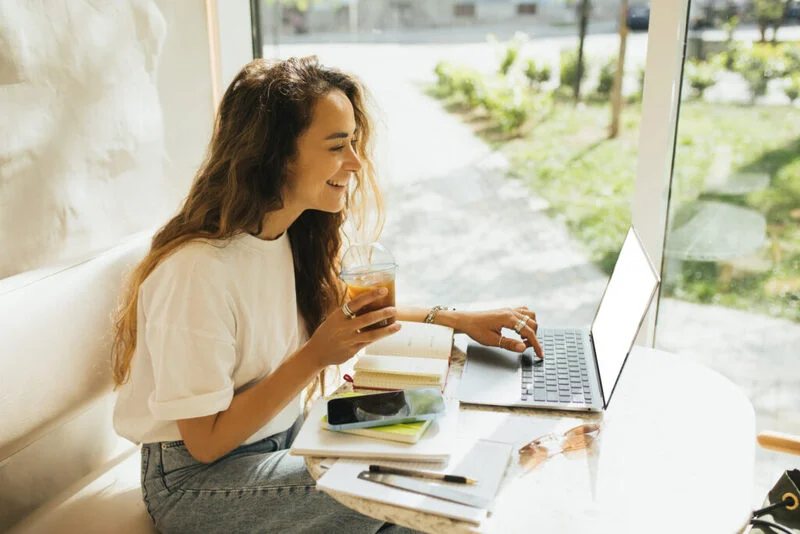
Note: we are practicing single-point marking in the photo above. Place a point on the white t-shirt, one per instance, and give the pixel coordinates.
(213, 319)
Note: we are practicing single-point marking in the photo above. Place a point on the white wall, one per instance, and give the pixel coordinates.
(236, 42)
(185, 91)
(107, 111)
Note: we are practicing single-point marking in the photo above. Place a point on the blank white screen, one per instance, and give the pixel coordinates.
(621, 310)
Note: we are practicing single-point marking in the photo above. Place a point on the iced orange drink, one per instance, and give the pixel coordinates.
(360, 284)
(367, 267)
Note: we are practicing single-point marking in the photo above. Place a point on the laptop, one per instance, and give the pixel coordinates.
(581, 367)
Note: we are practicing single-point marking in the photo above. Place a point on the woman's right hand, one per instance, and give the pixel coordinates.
(339, 338)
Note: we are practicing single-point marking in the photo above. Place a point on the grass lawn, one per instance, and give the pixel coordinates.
(565, 157)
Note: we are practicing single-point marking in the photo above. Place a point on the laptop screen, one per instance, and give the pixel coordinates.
(622, 309)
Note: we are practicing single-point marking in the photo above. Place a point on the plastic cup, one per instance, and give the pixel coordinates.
(367, 267)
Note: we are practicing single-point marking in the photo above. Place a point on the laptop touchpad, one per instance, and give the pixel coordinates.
(491, 375)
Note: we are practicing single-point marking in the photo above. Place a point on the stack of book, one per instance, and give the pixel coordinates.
(429, 444)
(416, 356)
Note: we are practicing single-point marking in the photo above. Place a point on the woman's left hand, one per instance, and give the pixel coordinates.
(485, 327)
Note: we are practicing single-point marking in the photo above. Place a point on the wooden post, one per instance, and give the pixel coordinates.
(616, 92)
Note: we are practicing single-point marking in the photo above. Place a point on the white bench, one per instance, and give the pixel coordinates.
(63, 469)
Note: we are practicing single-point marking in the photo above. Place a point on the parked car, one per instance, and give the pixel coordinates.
(792, 13)
(638, 16)
(714, 13)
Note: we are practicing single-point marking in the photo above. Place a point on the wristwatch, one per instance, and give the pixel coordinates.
(436, 309)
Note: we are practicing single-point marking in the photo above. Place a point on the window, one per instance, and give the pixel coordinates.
(730, 296)
(464, 10)
(526, 9)
(500, 190)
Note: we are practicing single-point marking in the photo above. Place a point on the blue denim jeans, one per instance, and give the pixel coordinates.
(254, 488)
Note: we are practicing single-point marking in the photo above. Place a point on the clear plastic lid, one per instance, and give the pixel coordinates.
(362, 260)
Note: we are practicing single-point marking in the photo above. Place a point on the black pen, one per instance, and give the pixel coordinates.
(458, 479)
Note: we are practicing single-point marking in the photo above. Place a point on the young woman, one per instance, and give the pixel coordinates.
(237, 309)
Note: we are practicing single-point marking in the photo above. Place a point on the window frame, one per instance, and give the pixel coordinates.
(663, 75)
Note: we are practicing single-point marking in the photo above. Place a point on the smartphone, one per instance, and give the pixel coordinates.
(379, 409)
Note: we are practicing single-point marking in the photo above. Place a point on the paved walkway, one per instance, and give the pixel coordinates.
(466, 235)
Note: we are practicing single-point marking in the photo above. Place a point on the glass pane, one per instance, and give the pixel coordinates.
(731, 282)
(501, 190)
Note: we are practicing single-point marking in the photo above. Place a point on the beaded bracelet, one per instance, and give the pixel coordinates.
(436, 309)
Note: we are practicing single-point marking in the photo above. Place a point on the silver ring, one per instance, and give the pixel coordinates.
(348, 312)
(520, 325)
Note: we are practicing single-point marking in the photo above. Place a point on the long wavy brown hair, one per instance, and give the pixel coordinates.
(264, 111)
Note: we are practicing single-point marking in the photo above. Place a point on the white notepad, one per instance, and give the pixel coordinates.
(485, 461)
(434, 446)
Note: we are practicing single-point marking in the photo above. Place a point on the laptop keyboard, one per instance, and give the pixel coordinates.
(562, 377)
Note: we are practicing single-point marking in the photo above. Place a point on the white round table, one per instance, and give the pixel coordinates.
(675, 454)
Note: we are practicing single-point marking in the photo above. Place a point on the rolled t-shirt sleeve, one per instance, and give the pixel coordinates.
(190, 335)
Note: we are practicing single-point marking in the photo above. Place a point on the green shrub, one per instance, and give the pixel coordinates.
(792, 87)
(463, 82)
(506, 106)
(444, 77)
(468, 83)
(606, 79)
(729, 26)
(536, 75)
(727, 58)
(511, 52)
(701, 75)
(510, 107)
(791, 57)
(758, 64)
(699, 281)
(508, 60)
(568, 72)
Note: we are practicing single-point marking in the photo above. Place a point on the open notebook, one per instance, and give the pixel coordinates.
(416, 356)
(485, 461)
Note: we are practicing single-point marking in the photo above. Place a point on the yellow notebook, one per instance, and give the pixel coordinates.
(418, 355)
(402, 432)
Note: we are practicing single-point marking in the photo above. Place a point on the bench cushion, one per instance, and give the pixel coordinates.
(56, 393)
(110, 502)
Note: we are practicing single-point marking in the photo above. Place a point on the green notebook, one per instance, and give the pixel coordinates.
(404, 432)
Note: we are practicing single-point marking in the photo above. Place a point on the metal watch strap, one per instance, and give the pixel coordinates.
(436, 309)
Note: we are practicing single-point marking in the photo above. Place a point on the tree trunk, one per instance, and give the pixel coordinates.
(777, 23)
(616, 91)
(583, 22)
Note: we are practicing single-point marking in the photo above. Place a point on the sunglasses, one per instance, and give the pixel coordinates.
(575, 439)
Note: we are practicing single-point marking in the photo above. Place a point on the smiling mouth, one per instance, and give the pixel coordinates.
(337, 185)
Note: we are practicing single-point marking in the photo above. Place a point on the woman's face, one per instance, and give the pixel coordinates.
(326, 159)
